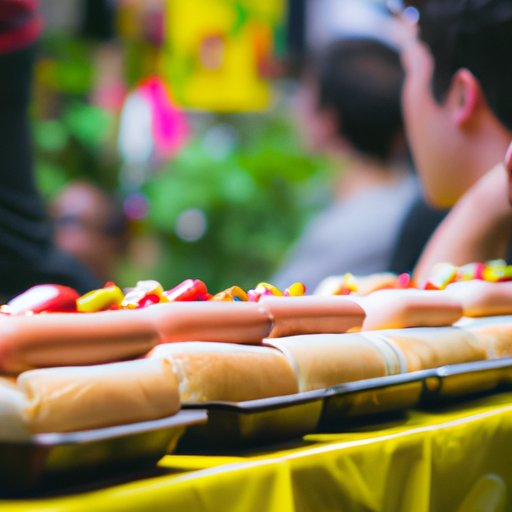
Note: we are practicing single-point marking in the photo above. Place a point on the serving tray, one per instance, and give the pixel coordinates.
(234, 425)
(465, 379)
(51, 461)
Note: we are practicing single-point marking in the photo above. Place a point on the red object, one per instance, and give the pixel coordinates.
(188, 290)
(404, 280)
(20, 24)
(51, 298)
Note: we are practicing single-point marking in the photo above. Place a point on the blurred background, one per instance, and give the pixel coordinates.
(165, 136)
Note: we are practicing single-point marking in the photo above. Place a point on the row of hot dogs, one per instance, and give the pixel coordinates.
(202, 351)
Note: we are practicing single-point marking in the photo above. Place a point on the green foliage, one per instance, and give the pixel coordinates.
(247, 174)
(73, 147)
(255, 198)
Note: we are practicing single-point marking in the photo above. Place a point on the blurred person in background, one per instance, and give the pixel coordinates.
(349, 108)
(28, 255)
(91, 226)
(458, 110)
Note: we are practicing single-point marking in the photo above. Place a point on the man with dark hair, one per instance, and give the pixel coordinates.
(349, 108)
(27, 253)
(458, 111)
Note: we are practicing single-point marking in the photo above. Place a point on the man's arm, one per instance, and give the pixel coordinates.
(478, 228)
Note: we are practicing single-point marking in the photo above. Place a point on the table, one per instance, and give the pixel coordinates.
(458, 458)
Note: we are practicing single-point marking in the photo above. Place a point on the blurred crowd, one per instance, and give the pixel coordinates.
(397, 118)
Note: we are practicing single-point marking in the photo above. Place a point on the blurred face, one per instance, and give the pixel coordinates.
(436, 143)
(508, 167)
(316, 126)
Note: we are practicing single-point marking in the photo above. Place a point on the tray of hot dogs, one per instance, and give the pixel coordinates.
(53, 461)
(74, 424)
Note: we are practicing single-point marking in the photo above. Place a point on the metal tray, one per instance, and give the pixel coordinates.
(465, 379)
(373, 396)
(235, 425)
(51, 461)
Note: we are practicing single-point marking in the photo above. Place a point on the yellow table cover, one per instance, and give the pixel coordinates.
(458, 459)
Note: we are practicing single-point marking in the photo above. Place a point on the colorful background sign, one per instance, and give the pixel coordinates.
(219, 53)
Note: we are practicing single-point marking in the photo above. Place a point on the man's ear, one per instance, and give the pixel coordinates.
(465, 97)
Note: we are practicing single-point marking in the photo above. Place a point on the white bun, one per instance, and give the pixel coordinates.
(77, 398)
(226, 371)
(322, 360)
(426, 348)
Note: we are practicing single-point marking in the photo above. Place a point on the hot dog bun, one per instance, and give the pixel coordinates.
(226, 371)
(425, 348)
(322, 360)
(482, 298)
(234, 322)
(63, 339)
(77, 398)
(398, 309)
(311, 315)
(12, 406)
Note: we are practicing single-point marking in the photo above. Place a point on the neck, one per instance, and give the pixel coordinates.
(489, 146)
(358, 174)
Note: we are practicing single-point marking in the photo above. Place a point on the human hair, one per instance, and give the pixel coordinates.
(360, 80)
(475, 35)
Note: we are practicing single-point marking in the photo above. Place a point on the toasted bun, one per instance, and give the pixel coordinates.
(398, 309)
(322, 360)
(227, 372)
(77, 398)
(432, 347)
(12, 406)
(311, 315)
(234, 322)
(482, 298)
(496, 338)
(63, 339)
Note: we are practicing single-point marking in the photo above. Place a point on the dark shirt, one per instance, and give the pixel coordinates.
(27, 253)
(419, 223)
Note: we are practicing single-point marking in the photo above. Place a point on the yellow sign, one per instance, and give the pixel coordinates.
(218, 53)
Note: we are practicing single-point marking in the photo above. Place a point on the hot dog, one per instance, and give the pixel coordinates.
(482, 298)
(62, 339)
(235, 322)
(311, 315)
(398, 309)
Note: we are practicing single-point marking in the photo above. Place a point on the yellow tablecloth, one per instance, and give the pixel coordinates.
(456, 459)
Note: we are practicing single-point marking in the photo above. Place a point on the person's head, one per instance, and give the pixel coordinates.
(458, 93)
(350, 99)
(90, 225)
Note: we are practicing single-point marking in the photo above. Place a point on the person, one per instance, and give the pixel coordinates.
(28, 255)
(90, 225)
(349, 108)
(458, 117)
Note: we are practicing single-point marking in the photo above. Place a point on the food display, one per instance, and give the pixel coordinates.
(70, 399)
(257, 360)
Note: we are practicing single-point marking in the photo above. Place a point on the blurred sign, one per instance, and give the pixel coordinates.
(219, 54)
